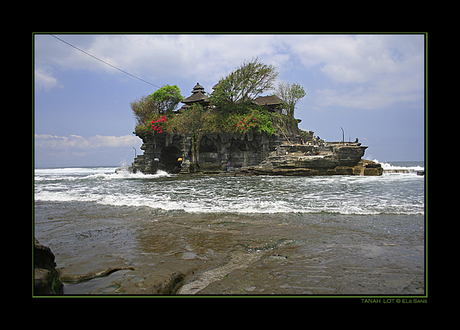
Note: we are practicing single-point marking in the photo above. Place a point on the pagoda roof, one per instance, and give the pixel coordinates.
(196, 97)
(198, 88)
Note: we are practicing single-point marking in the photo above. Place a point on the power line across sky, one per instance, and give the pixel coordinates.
(96, 58)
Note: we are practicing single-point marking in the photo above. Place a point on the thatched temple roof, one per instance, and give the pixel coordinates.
(268, 100)
(198, 95)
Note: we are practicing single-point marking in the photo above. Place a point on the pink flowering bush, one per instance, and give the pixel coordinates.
(158, 128)
(247, 122)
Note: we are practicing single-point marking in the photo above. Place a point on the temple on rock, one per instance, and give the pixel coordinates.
(285, 150)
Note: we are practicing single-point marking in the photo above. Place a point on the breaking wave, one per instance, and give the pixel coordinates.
(82, 173)
(164, 192)
(401, 166)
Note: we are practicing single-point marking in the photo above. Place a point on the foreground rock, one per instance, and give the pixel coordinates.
(46, 277)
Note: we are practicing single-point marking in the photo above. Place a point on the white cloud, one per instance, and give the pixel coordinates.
(76, 142)
(343, 74)
(365, 71)
(44, 80)
(345, 58)
(161, 57)
(99, 141)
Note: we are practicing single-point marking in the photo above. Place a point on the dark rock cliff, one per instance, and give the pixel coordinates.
(252, 153)
(215, 150)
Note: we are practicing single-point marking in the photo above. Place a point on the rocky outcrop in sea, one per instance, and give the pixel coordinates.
(254, 137)
(335, 159)
(253, 153)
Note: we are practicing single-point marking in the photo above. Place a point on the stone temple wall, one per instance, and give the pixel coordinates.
(162, 151)
(251, 153)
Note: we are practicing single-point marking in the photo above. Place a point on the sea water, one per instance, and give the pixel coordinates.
(91, 216)
(392, 193)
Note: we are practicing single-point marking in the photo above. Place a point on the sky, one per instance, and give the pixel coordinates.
(371, 85)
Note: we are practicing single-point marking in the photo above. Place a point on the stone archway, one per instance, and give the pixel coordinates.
(169, 160)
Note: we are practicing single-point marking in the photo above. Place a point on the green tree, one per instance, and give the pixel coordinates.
(143, 109)
(290, 94)
(244, 84)
(164, 100)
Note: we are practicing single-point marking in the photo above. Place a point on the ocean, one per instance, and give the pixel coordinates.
(228, 234)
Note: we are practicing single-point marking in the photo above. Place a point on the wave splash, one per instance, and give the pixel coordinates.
(400, 167)
(164, 192)
(99, 173)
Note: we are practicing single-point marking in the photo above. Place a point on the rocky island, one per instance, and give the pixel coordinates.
(235, 130)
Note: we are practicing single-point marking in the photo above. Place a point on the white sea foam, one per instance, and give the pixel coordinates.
(104, 173)
(388, 166)
(394, 194)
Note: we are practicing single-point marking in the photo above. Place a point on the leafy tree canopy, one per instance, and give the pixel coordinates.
(167, 98)
(244, 84)
(164, 100)
(290, 94)
(232, 109)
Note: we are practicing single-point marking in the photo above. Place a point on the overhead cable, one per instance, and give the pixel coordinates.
(81, 50)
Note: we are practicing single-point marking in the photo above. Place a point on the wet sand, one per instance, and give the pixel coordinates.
(217, 254)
